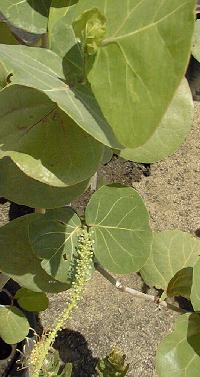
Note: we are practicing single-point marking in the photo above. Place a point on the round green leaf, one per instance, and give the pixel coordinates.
(18, 260)
(53, 239)
(32, 301)
(196, 41)
(179, 353)
(195, 290)
(172, 250)
(14, 326)
(171, 133)
(43, 70)
(140, 35)
(42, 140)
(34, 194)
(119, 224)
(30, 15)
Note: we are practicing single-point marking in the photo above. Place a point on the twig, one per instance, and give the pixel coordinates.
(118, 284)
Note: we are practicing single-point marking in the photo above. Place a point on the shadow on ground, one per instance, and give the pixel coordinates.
(73, 348)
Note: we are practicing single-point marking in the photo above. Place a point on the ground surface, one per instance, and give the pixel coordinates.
(106, 317)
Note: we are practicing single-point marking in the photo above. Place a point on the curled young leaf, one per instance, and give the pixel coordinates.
(90, 29)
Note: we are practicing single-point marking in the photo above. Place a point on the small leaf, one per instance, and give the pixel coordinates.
(29, 15)
(172, 131)
(172, 250)
(113, 365)
(18, 260)
(35, 194)
(53, 239)
(14, 326)
(181, 283)
(119, 223)
(90, 29)
(196, 41)
(195, 291)
(32, 301)
(179, 353)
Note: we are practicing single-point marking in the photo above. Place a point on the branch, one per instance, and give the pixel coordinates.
(118, 284)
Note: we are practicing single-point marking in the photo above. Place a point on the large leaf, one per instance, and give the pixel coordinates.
(171, 251)
(43, 70)
(119, 223)
(14, 326)
(195, 291)
(42, 140)
(30, 15)
(20, 188)
(140, 63)
(179, 353)
(53, 239)
(32, 301)
(18, 260)
(171, 132)
(196, 41)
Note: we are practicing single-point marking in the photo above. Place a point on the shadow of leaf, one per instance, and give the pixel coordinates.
(73, 348)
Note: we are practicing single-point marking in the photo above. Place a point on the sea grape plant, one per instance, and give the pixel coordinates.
(79, 79)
